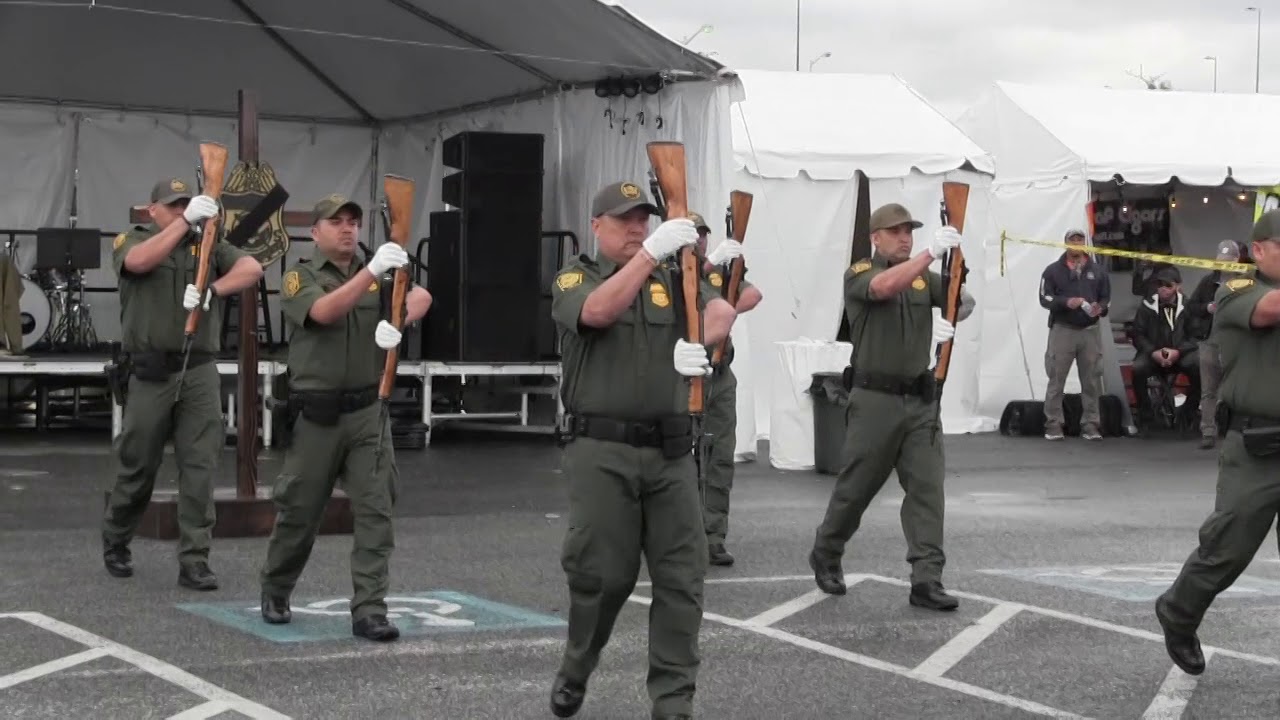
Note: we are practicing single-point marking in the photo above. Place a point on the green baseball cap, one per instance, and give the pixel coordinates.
(330, 206)
(892, 215)
(698, 222)
(619, 198)
(170, 190)
(1267, 227)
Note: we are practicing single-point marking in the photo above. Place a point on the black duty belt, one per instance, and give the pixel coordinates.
(922, 385)
(642, 433)
(1237, 421)
(344, 401)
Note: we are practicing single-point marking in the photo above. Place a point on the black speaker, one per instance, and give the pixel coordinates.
(484, 259)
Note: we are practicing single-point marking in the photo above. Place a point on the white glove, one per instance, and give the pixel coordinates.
(191, 297)
(200, 208)
(726, 251)
(944, 239)
(387, 336)
(942, 330)
(691, 359)
(388, 256)
(670, 237)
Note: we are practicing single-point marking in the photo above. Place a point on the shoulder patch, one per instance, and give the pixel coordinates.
(1239, 284)
(118, 241)
(292, 283)
(569, 280)
(919, 283)
(861, 266)
(715, 279)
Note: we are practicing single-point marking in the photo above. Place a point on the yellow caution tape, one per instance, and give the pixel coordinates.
(1202, 263)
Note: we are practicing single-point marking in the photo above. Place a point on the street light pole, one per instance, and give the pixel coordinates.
(1214, 58)
(814, 61)
(1257, 72)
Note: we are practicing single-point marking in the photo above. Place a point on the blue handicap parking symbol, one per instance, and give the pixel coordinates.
(1137, 583)
(425, 613)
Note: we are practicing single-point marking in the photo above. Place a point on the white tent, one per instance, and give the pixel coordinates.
(1191, 155)
(100, 101)
(799, 141)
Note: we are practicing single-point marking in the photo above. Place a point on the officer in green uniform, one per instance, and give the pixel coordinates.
(1244, 328)
(628, 446)
(893, 415)
(156, 266)
(722, 403)
(333, 304)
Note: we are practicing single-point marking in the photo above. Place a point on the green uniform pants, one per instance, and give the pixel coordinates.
(721, 423)
(1248, 499)
(359, 450)
(625, 500)
(194, 423)
(887, 432)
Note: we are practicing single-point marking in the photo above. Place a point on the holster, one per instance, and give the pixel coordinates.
(326, 407)
(117, 371)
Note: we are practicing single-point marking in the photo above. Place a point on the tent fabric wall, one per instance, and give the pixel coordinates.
(36, 146)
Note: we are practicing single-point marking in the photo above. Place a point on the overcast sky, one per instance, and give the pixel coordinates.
(950, 50)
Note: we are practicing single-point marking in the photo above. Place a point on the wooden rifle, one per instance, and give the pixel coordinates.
(399, 206)
(955, 200)
(213, 165)
(738, 215)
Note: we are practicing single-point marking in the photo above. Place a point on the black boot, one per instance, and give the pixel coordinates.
(375, 627)
(830, 577)
(275, 609)
(931, 595)
(1183, 647)
(718, 555)
(117, 559)
(197, 576)
(566, 697)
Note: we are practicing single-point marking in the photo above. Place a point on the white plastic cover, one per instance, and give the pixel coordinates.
(791, 409)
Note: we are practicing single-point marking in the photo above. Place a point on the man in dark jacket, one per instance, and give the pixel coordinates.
(1201, 309)
(1076, 291)
(1164, 335)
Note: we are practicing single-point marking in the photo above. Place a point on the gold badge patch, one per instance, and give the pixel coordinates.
(569, 280)
(292, 283)
(919, 283)
(861, 266)
(716, 280)
(373, 286)
(630, 191)
(658, 294)
(177, 186)
(115, 244)
(1239, 284)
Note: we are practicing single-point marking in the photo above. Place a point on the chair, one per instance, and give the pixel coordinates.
(1162, 391)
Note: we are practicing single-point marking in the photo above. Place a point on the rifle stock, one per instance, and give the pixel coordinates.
(399, 192)
(740, 212)
(668, 162)
(213, 165)
(955, 200)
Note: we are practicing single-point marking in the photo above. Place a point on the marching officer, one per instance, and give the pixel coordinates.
(627, 440)
(722, 403)
(893, 414)
(156, 265)
(333, 303)
(1247, 311)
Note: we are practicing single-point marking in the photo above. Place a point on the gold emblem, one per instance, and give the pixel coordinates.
(337, 199)
(658, 294)
(246, 187)
(1239, 284)
(292, 283)
(919, 283)
(569, 280)
(177, 186)
(115, 244)
(716, 280)
(373, 286)
(861, 266)
(630, 191)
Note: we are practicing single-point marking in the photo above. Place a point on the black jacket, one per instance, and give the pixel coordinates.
(1058, 284)
(1198, 304)
(1153, 329)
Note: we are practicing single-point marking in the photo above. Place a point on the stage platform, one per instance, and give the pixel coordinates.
(67, 367)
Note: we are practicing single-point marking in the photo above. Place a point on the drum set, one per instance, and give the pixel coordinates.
(55, 290)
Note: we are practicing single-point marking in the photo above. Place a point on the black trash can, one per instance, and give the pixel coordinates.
(830, 400)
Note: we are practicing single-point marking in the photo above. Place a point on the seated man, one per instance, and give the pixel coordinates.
(1165, 339)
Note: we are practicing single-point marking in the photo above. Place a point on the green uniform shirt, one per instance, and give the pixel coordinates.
(341, 355)
(625, 371)
(719, 279)
(1249, 355)
(891, 336)
(152, 318)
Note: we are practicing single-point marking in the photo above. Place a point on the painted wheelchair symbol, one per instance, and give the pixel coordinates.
(1151, 575)
(398, 608)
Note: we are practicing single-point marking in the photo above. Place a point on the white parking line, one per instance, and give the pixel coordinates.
(1175, 692)
(789, 608)
(53, 666)
(158, 668)
(966, 640)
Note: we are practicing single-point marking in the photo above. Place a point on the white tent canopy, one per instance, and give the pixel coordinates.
(799, 140)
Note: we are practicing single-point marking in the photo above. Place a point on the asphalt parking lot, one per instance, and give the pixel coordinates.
(1056, 552)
